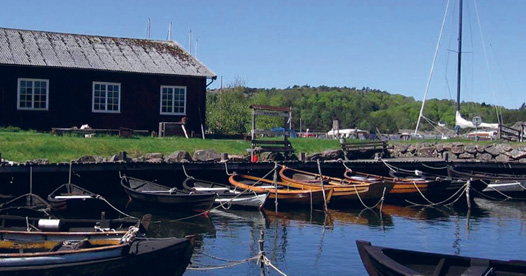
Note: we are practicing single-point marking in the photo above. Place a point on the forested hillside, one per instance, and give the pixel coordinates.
(315, 108)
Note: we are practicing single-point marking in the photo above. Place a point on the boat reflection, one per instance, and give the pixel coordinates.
(176, 224)
(427, 213)
(509, 209)
(235, 217)
(331, 218)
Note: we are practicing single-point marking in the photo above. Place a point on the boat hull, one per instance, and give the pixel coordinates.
(227, 196)
(161, 197)
(242, 201)
(168, 256)
(285, 197)
(382, 261)
(345, 192)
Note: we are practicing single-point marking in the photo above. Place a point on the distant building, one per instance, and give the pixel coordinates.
(62, 80)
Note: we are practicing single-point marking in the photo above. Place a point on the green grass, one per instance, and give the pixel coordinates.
(20, 146)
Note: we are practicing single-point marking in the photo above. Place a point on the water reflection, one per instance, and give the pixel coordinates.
(304, 242)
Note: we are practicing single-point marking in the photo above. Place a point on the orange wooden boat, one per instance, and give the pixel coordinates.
(286, 195)
(345, 191)
(404, 186)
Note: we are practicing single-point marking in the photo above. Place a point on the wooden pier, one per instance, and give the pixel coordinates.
(104, 176)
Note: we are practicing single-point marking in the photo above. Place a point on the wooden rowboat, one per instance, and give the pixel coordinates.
(163, 197)
(498, 185)
(286, 195)
(127, 256)
(402, 186)
(440, 188)
(227, 195)
(380, 261)
(29, 212)
(345, 192)
(72, 201)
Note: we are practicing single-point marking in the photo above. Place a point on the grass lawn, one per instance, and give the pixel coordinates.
(20, 146)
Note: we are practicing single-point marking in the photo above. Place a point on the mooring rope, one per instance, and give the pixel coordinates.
(363, 203)
(433, 168)
(221, 205)
(462, 190)
(395, 169)
(226, 169)
(184, 171)
(380, 202)
(260, 257)
(231, 264)
(30, 226)
(506, 197)
(345, 165)
(115, 208)
(269, 264)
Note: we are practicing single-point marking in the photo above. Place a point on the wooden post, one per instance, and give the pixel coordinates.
(276, 187)
(468, 187)
(253, 134)
(224, 156)
(261, 252)
(322, 187)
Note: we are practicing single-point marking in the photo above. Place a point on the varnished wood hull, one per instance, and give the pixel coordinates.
(168, 256)
(344, 192)
(286, 196)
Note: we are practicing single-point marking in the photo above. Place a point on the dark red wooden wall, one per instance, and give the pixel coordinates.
(70, 99)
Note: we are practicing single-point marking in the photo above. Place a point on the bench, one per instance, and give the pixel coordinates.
(364, 147)
(260, 146)
(124, 132)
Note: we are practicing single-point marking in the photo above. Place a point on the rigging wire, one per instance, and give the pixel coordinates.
(492, 83)
(432, 68)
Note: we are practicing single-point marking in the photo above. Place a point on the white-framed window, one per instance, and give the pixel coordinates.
(106, 97)
(173, 100)
(33, 94)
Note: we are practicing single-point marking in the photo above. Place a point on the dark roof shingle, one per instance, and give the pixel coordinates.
(37, 48)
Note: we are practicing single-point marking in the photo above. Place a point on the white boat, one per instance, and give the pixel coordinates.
(227, 195)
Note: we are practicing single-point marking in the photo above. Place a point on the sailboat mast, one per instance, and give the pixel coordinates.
(459, 63)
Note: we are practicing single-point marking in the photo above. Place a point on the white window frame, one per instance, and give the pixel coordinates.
(173, 100)
(32, 95)
(105, 98)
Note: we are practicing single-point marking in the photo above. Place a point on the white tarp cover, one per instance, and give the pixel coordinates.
(463, 123)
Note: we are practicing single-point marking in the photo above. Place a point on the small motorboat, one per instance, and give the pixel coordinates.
(227, 195)
(167, 198)
(380, 261)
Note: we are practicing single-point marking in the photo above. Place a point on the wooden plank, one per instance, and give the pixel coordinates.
(273, 149)
(273, 133)
(270, 142)
(270, 108)
(364, 146)
(270, 113)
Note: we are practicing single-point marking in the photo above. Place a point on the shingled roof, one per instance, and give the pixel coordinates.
(37, 48)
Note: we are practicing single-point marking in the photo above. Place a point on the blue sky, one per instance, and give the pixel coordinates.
(381, 44)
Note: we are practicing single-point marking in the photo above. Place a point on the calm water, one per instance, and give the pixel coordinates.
(305, 243)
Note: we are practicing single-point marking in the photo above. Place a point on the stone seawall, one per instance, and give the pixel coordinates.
(489, 152)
